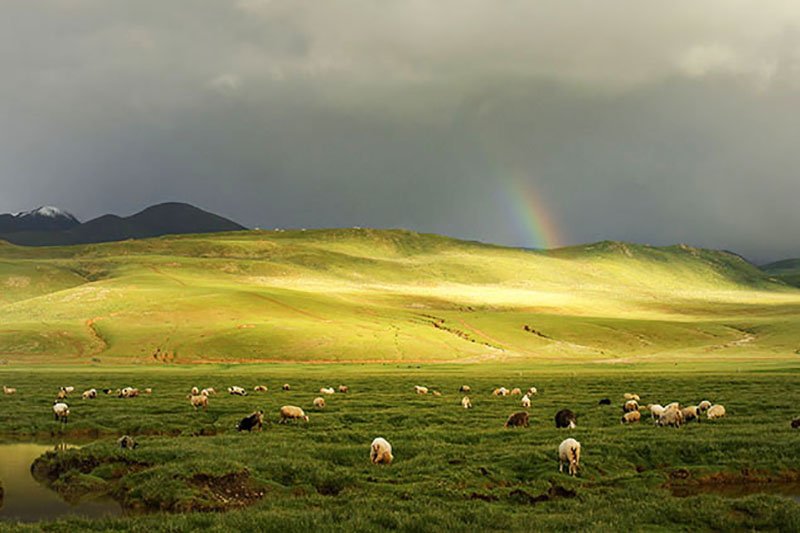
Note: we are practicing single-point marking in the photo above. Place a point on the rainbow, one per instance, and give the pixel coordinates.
(528, 215)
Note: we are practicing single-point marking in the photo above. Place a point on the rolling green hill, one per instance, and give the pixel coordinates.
(787, 270)
(385, 295)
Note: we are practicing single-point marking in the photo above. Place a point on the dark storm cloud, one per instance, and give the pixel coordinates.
(628, 121)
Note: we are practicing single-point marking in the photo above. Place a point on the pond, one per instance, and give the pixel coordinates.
(26, 500)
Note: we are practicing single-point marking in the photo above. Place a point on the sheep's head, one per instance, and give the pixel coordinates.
(305, 417)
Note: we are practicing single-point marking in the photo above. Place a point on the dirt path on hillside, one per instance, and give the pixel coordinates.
(289, 307)
(95, 335)
(171, 278)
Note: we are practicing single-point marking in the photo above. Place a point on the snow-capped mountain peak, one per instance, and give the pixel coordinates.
(48, 211)
(44, 218)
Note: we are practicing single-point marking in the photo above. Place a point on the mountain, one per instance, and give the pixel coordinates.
(49, 226)
(389, 296)
(46, 218)
(787, 270)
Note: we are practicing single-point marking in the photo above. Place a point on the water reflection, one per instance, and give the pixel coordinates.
(27, 500)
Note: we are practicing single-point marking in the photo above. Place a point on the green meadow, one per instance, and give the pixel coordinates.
(381, 311)
(454, 469)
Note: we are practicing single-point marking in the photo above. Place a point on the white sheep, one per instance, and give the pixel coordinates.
(502, 391)
(9, 390)
(630, 406)
(292, 412)
(656, 410)
(195, 391)
(328, 390)
(533, 391)
(68, 390)
(237, 391)
(526, 402)
(631, 417)
(691, 412)
(516, 391)
(704, 406)
(569, 451)
(716, 411)
(420, 390)
(381, 452)
(465, 403)
(319, 402)
(61, 411)
(200, 400)
(629, 396)
(89, 394)
(670, 417)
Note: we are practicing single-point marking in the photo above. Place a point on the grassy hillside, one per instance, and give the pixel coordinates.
(386, 295)
(787, 270)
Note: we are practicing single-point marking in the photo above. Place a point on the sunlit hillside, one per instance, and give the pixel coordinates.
(385, 295)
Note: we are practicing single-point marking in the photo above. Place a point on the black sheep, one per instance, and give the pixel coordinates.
(248, 423)
(565, 419)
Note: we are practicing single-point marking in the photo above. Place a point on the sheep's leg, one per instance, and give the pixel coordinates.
(560, 466)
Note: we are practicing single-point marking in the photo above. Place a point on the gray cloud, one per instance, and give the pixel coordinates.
(627, 121)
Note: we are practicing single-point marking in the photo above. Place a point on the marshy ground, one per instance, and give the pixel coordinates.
(454, 469)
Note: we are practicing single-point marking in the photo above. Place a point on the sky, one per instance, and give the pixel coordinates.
(527, 123)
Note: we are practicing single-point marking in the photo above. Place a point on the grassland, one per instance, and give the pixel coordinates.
(454, 469)
(363, 295)
(386, 310)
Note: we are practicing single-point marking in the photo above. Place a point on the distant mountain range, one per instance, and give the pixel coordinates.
(51, 226)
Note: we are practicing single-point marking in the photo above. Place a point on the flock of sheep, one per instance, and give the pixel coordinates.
(569, 450)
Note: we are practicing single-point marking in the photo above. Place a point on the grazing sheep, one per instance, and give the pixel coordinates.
(716, 411)
(285, 386)
(68, 390)
(796, 423)
(502, 391)
(520, 418)
(533, 391)
(255, 420)
(237, 391)
(630, 405)
(437, 393)
(673, 405)
(126, 442)
(9, 390)
(343, 389)
(260, 388)
(670, 417)
(629, 396)
(420, 390)
(148, 390)
(381, 452)
(292, 412)
(604, 401)
(465, 403)
(90, 394)
(631, 417)
(209, 391)
(108, 391)
(704, 406)
(62, 394)
(516, 391)
(319, 402)
(569, 451)
(465, 389)
(329, 390)
(691, 413)
(61, 412)
(129, 392)
(200, 400)
(565, 418)
(526, 402)
(656, 410)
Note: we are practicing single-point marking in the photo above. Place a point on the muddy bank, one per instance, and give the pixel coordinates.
(141, 486)
(736, 484)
